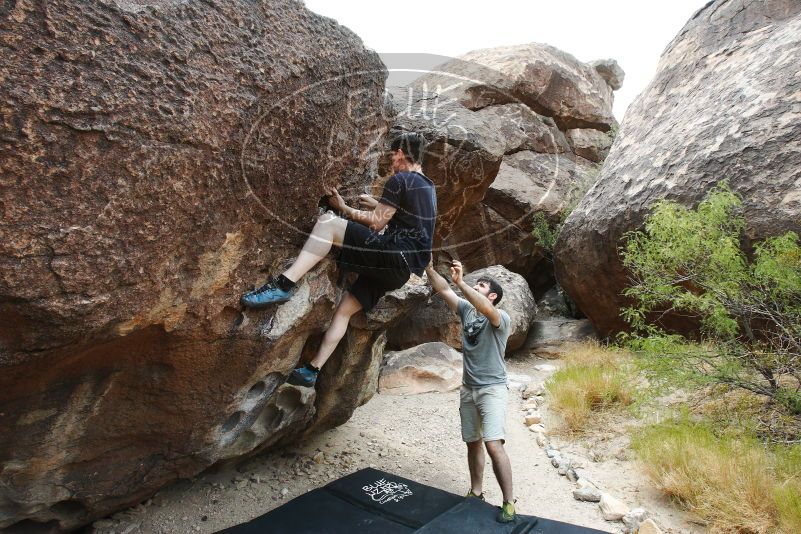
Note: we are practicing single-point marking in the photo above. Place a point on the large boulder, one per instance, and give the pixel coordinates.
(430, 367)
(157, 158)
(519, 128)
(544, 78)
(431, 321)
(590, 144)
(436, 322)
(551, 338)
(543, 116)
(723, 106)
(529, 184)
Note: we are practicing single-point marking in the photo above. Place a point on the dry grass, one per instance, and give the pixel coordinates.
(745, 413)
(735, 484)
(595, 379)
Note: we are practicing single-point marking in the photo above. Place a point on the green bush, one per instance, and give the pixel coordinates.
(545, 233)
(690, 262)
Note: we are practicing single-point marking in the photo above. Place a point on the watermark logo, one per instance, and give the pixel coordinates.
(471, 119)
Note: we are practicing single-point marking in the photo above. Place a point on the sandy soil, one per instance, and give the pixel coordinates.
(417, 437)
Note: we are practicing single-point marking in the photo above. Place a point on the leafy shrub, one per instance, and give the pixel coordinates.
(689, 262)
(545, 233)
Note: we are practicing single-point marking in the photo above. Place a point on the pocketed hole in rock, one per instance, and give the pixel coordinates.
(235, 430)
(68, 508)
(29, 526)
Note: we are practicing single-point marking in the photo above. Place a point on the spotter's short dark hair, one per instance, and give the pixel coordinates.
(495, 287)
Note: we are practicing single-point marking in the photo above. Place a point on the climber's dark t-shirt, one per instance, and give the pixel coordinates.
(411, 228)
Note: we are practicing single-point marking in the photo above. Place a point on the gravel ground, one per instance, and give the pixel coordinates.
(416, 437)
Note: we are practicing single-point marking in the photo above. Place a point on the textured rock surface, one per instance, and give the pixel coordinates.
(610, 71)
(426, 368)
(548, 338)
(485, 237)
(431, 321)
(523, 100)
(724, 105)
(590, 144)
(522, 129)
(349, 378)
(554, 304)
(143, 148)
(436, 322)
(546, 79)
(498, 231)
(530, 183)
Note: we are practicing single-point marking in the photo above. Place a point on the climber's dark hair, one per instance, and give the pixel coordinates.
(412, 144)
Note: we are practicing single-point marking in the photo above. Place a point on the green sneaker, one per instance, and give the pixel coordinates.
(507, 513)
(471, 494)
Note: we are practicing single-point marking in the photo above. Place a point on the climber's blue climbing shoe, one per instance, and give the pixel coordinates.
(303, 376)
(267, 294)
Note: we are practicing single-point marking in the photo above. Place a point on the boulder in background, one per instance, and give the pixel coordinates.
(722, 106)
(430, 367)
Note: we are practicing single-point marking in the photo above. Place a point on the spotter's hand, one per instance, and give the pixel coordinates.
(456, 272)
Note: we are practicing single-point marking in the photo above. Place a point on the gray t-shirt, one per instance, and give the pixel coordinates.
(483, 346)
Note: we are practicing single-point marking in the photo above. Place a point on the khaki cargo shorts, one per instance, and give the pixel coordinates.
(483, 412)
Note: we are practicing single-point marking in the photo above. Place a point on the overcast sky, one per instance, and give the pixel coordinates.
(634, 32)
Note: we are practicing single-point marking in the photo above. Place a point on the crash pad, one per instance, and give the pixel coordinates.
(371, 501)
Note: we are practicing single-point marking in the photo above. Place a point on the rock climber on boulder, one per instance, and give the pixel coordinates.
(385, 243)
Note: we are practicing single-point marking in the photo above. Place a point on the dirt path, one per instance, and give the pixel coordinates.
(416, 437)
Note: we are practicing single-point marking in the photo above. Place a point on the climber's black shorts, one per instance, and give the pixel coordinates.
(381, 268)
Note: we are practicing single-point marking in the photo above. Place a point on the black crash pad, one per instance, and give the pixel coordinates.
(370, 501)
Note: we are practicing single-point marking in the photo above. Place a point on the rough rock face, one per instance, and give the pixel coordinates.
(157, 158)
(554, 303)
(530, 183)
(430, 367)
(431, 321)
(436, 322)
(525, 100)
(498, 231)
(546, 79)
(521, 129)
(548, 338)
(723, 106)
(610, 71)
(590, 144)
